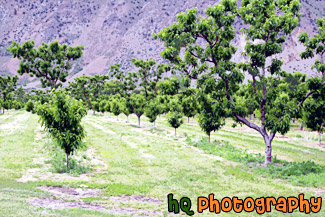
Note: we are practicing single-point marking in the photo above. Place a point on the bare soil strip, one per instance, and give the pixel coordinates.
(75, 194)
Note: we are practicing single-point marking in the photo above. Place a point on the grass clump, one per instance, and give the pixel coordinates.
(79, 162)
(306, 173)
(76, 166)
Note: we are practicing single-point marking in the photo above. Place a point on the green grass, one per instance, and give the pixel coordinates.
(152, 162)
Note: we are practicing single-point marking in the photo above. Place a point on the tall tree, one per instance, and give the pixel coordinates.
(207, 46)
(88, 88)
(80, 90)
(149, 75)
(7, 87)
(49, 62)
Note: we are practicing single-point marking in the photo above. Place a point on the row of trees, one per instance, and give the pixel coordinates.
(205, 80)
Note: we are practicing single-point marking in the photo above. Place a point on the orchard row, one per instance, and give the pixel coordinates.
(200, 77)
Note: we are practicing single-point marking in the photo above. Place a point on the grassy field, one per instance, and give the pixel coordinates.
(132, 170)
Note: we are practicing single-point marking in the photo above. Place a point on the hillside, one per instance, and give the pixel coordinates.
(115, 31)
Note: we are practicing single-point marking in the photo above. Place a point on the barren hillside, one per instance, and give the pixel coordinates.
(115, 31)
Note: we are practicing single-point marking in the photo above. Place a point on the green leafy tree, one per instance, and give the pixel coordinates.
(116, 107)
(20, 95)
(175, 120)
(108, 107)
(314, 112)
(137, 104)
(61, 118)
(315, 48)
(89, 89)
(29, 106)
(16, 105)
(189, 106)
(149, 75)
(49, 62)
(95, 106)
(7, 87)
(211, 116)
(126, 108)
(126, 84)
(207, 46)
(102, 106)
(152, 110)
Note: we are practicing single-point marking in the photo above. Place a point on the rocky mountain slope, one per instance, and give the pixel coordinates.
(115, 31)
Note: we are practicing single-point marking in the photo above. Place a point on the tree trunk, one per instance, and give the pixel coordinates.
(67, 160)
(209, 136)
(175, 131)
(154, 123)
(188, 119)
(293, 120)
(319, 136)
(250, 117)
(301, 127)
(268, 150)
(127, 119)
(93, 111)
(3, 110)
(138, 121)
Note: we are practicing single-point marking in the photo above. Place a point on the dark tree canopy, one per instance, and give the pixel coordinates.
(7, 87)
(314, 112)
(49, 62)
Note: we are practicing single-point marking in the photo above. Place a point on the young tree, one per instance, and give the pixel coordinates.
(49, 62)
(61, 118)
(174, 119)
(267, 25)
(126, 108)
(116, 107)
(137, 104)
(152, 110)
(211, 116)
(189, 106)
(29, 106)
(7, 87)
